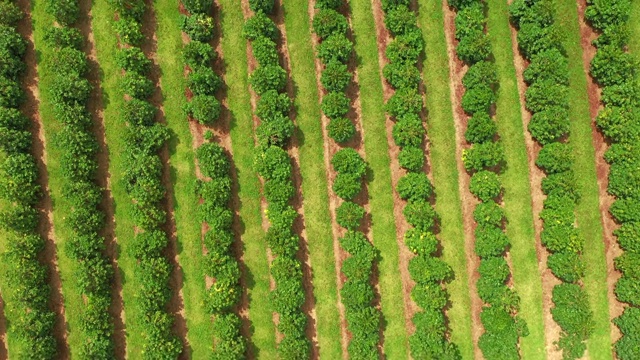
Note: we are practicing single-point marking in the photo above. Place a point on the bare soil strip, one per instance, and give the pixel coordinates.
(297, 201)
(330, 148)
(457, 70)
(410, 307)
(612, 249)
(176, 305)
(3, 331)
(46, 229)
(552, 332)
(96, 108)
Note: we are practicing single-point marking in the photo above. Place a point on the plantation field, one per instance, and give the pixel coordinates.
(319, 179)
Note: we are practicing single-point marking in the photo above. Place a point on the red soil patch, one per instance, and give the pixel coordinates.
(3, 331)
(552, 330)
(410, 307)
(612, 249)
(176, 304)
(96, 109)
(45, 228)
(457, 71)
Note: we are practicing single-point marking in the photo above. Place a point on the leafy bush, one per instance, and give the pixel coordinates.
(335, 104)
(566, 266)
(549, 125)
(335, 76)
(10, 14)
(137, 86)
(270, 77)
(341, 129)
(197, 54)
(197, 6)
(61, 37)
(11, 94)
(485, 185)
(70, 89)
(66, 12)
(400, 20)
(482, 156)
(139, 113)
(470, 20)
(474, 47)
(555, 158)
(534, 38)
(260, 26)
(421, 242)
(129, 31)
(133, 59)
(348, 161)
(411, 158)
(408, 131)
(402, 75)
(335, 48)
(573, 315)
(205, 109)
(349, 215)
(275, 131)
(329, 22)
(480, 73)
(347, 186)
(488, 214)
(265, 51)
(491, 241)
(420, 214)
(404, 102)
(426, 269)
(625, 210)
(480, 128)
(265, 6)
(478, 99)
(203, 81)
(414, 187)
(273, 104)
(273, 164)
(549, 66)
(603, 14)
(199, 27)
(612, 66)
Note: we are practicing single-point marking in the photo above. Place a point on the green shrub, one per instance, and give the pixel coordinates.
(563, 184)
(61, 37)
(11, 94)
(270, 77)
(400, 20)
(197, 6)
(66, 12)
(568, 267)
(478, 99)
(483, 156)
(495, 268)
(480, 73)
(421, 242)
(612, 66)
(335, 48)
(199, 27)
(474, 47)
(411, 158)
(335, 104)
(133, 59)
(543, 95)
(624, 95)
(388, 5)
(347, 186)
(603, 14)
(404, 102)
(573, 315)
(485, 185)
(70, 89)
(198, 54)
(402, 75)
(548, 65)
(421, 215)
(278, 192)
(549, 125)
(348, 161)
(470, 20)
(273, 104)
(555, 158)
(260, 26)
(205, 109)
(11, 43)
(329, 4)
(203, 81)
(341, 129)
(137, 86)
(265, 6)
(425, 269)
(10, 14)
(335, 77)
(534, 38)
(460, 4)
(625, 210)
(275, 131)
(408, 132)
(129, 31)
(69, 60)
(329, 22)
(429, 296)
(406, 48)
(628, 235)
(415, 187)
(349, 215)
(273, 164)
(265, 51)
(488, 214)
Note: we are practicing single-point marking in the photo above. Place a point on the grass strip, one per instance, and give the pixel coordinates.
(239, 101)
(634, 25)
(441, 135)
(379, 184)
(183, 178)
(587, 210)
(314, 178)
(515, 180)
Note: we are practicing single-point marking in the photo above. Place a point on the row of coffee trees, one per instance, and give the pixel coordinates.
(27, 292)
(484, 160)
(274, 166)
(616, 72)
(431, 274)
(335, 51)
(145, 137)
(547, 79)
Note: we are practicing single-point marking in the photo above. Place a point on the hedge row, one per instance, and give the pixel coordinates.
(32, 321)
(143, 181)
(615, 70)
(547, 78)
(273, 164)
(431, 274)
(357, 293)
(70, 91)
(484, 160)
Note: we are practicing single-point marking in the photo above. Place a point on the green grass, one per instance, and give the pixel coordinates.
(634, 25)
(314, 180)
(515, 180)
(441, 134)
(380, 190)
(255, 259)
(587, 211)
(73, 302)
(183, 176)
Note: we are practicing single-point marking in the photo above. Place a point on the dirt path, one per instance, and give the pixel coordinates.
(176, 304)
(612, 249)
(3, 331)
(46, 229)
(457, 71)
(552, 330)
(329, 149)
(405, 255)
(96, 108)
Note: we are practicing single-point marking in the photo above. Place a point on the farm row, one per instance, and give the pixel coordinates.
(319, 179)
